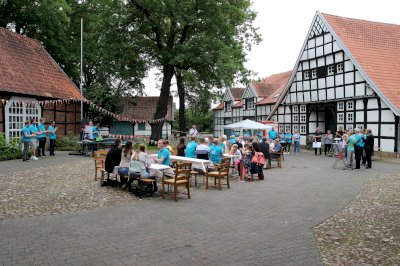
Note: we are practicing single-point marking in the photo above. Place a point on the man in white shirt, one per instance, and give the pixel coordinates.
(193, 131)
(203, 150)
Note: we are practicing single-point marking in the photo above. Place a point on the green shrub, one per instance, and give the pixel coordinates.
(11, 149)
(67, 143)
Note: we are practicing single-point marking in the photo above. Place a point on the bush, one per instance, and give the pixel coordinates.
(11, 149)
(67, 143)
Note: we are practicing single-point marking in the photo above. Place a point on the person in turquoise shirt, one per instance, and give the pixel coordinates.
(34, 141)
(350, 149)
(96, 131)
(288, 140)
(26, 139)
(191, 148)
(52, 137)
(163, 153)
(42, 137)
(216, 152)
(273, 134)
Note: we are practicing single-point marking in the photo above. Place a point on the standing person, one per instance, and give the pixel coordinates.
(350, 149)
(358, 147)
(369, 148)
(191, 148)
(193, 131)
(34, 131)
(224, 144)
(296, 140)
(42, 137)
(181, 147)
(26, 139)
(96, 131)
(216, 152)
(52, 137)
(288, 140)
(328, 139)
(89, 131)
(264, 148)
(273, 134)
(237, 156)
(317, 139)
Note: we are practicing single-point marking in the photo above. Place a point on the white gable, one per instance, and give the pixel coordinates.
(227, 96)
(249, 92)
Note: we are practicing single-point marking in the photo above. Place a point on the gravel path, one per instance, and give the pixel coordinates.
(56, 189)
(366, 231)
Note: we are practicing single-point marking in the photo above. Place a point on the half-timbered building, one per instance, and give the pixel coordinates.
(29, 77)
(253, 102)
(348, 75)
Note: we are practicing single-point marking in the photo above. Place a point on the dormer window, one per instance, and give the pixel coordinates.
(228, 106)
(249, 104)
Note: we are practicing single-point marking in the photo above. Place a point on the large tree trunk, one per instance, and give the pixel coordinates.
(181, 94)
(162, 105)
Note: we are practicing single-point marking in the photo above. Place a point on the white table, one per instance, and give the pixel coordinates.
(196, 163)
(157, 166)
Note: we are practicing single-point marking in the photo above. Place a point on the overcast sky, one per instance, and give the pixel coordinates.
(284, 24)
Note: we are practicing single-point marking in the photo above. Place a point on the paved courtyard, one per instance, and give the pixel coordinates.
(258, 223)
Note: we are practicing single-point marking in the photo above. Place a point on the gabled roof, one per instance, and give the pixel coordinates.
(269, 85)
(237, 93)
(273, 98)
(26, 68)
(238, 104)
(143, 108)
(219, 107)
(375, 47)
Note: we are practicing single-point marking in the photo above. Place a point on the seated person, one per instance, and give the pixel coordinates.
(113, 157)
(140, 163)
(276, 150)
(191, 148)
(163, 156)
(126, 155)
(216, 152)
(203, 150)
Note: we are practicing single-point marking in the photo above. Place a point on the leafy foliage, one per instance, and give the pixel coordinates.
(10, 150)
(67, 143)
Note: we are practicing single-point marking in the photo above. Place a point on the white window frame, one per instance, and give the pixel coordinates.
(360, 127)
(350, 105)
(303, 129)
(249, 104)
(17, 110)
(331, 70)
(295, 109)
(340, 117)
(349, 127)
(303, 118)
(281, 128)
(340, 106)
(339, 68)
(288, 127)
(349, 117)
(295, 127)
(228, 106)
(295, 118)
(303, 108)
(306, 74)
(314, 73)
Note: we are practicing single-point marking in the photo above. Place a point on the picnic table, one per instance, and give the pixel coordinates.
(196, 163)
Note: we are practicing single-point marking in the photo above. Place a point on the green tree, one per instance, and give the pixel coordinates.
(206, 36)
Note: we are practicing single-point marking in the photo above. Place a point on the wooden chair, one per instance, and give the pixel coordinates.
(182, 178)
(99, 163)
(279, 158)
(221, 172)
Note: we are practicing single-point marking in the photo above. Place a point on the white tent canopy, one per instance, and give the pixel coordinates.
(248, 124)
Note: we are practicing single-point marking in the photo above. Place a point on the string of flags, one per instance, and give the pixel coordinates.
(20, 103)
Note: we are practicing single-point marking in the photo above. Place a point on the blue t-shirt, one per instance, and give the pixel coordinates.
(25, 129)
(33, 129)
(96, 131)
(164, 153)
(42, 128)
(272, 134)
(232, 141)
(288, 137)
(52, 135)
(360, 142)
(216, 153)
(191, 149)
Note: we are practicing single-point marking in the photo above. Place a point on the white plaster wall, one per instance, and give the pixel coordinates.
(374, 128)
(349, 91)
(339, 79)
(359, 78)
(322, 95)
(307, 96)
(388, 130)
(372, 104)
(359, 117)
(330, 81)
(387, 145)
(339, 92)
(329, 59)
(387, 116)
(360, 89)
(314, 96)
(331, 94)
(312, 127)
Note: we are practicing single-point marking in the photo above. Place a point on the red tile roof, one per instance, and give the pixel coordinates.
(237, 93)
(376, 48)
(26, 68)
(143, 107)
(270, 84)
(238, 104)
(219, 107)
(273, 98)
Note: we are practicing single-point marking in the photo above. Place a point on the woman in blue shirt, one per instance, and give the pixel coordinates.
(288, 140)
(52, 137)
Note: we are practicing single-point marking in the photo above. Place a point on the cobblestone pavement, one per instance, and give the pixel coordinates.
(258, 223)
(368, 229)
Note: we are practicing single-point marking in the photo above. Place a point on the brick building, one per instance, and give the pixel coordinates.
(32, 85)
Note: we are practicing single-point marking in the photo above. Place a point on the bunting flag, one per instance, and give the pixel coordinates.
(91, 105)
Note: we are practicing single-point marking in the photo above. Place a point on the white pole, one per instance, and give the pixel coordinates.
(81, 85)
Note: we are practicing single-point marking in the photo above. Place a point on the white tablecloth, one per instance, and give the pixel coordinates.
(196, 163)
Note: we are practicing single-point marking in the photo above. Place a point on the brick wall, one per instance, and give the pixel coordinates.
(67, 117)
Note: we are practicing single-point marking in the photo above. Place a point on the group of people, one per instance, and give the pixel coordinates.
(357, 144)
(34, 137)
(92, 132)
